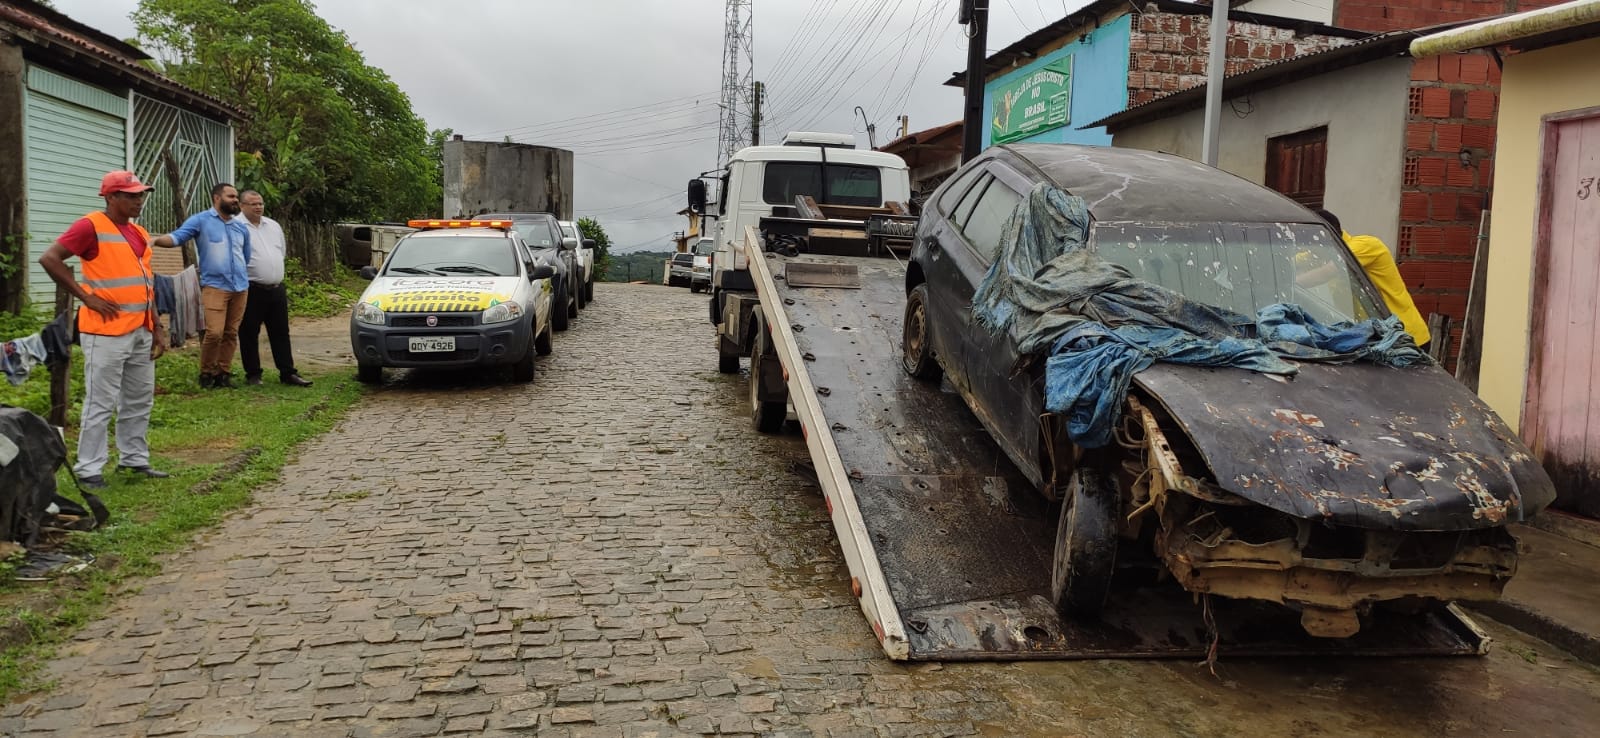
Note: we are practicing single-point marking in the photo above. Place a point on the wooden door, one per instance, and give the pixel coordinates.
(1297, 165)
(1561, 413)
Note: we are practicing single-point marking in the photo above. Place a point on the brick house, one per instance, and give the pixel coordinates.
(1112, 53)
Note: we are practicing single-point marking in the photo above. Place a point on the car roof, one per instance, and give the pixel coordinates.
(513, 216)
(1136, 185)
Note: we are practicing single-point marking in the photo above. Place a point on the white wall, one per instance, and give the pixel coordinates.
(1364, 108)
(1317, 11)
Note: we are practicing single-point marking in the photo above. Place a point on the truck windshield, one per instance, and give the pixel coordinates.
(835, 184)
(481, 255)
(1243, 267)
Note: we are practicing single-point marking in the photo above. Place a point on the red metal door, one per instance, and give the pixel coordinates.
(1561, 415)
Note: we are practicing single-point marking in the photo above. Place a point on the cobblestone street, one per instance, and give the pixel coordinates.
(611, 551)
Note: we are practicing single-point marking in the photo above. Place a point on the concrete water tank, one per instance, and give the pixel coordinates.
(491, 177)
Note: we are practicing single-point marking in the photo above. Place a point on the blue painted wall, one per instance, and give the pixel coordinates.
(1099, 84)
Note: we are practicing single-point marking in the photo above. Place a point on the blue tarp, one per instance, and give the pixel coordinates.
(1099, 325)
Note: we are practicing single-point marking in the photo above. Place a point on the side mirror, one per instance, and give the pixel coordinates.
(369, 272)
(588, 243)
(697, 195)
(543, 271)
(569, 243)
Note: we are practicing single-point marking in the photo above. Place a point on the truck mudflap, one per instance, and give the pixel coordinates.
(947, 544)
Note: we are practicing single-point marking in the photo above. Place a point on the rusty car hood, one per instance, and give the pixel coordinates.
(1356, 444)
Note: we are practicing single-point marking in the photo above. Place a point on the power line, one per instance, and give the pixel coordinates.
(674, 102)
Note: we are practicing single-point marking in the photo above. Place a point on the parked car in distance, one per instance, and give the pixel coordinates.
(681, 273)
(454, 294)
(585, 259)
(1347, 487)
(542, 233)
(700, 277)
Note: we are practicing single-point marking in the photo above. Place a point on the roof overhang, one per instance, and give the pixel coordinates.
(1533, 29)
(1090, 17)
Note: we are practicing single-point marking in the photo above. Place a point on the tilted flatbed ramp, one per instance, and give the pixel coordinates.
(948, 545)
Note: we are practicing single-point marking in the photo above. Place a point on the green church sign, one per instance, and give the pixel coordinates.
(1033, 103)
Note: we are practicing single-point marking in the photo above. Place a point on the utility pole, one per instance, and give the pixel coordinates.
(757, 91)
(737, 66)
(905, 125)
(975, 16)
(1216, 68)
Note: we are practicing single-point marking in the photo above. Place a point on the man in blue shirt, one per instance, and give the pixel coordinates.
(222, 245)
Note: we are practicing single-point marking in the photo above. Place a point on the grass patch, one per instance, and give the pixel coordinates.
(308, 299)
(219, 445)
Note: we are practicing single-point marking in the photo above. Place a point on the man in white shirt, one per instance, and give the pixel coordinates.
(268, 303)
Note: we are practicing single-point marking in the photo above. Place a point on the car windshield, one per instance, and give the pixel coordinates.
(705, 248)
(453, 254)
(1243, 267)
(683, 258)
(567, 232)
(535, 232)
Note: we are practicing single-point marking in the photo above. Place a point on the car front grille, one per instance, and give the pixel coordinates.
(421, 321)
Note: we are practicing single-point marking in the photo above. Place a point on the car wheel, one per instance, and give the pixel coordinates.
(542, 343)
(522, 371)
(572, 303)
(916, 348)
(582, 301)
(369, 373)
(588, 291)
(766, 415)
(1086, 543)
(558, 313)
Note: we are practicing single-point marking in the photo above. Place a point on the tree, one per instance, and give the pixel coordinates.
(328, 136)
(591, 228)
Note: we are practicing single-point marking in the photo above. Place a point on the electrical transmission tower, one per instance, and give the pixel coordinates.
(737, 64)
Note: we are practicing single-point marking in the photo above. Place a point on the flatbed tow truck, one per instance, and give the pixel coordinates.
(948, 545)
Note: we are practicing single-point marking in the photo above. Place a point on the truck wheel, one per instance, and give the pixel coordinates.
(727, 363)
(558, 313)
(542, 344)
(369, 373)
(916, 348)
(1086, 543)
(766, 415)
(522, 371)
(716, 306)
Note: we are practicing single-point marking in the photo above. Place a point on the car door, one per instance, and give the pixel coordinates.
(941, 255)
(1008, 402)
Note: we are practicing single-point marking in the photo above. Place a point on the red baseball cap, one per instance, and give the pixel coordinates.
(122, 180)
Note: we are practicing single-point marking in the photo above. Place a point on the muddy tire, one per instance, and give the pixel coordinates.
(916, 346)
(1086, 544)
(766, 415)
(369, 373)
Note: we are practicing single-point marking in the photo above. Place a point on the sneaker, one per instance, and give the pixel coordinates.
(295, 380)
(144, 471)
(222, 381)
(92, 482)
(254, 380)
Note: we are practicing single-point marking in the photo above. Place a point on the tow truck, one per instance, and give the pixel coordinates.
(947, 544)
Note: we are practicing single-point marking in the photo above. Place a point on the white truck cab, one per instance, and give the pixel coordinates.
(763, 181)
(824, 171)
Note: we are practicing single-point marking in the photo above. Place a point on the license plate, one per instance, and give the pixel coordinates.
(430, 344)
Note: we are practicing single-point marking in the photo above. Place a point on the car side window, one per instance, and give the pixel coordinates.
(964, 208)
(988, 215)
(953, 193)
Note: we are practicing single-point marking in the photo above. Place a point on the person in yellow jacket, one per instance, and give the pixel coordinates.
(1379, 265)
(116, 327)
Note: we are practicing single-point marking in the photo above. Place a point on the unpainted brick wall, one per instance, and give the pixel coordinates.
(1393, 15)
(1167, 51)
(1453, 102)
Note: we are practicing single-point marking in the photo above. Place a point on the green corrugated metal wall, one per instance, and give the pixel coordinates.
(74, 133)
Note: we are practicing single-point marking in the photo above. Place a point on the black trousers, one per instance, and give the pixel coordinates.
(267, 305)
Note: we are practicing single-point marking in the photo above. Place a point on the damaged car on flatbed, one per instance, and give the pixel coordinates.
(1141, 335)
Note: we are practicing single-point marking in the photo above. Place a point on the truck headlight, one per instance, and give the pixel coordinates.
(503, 312)
(369, 313)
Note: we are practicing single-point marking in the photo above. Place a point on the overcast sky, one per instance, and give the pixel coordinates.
(632, 86)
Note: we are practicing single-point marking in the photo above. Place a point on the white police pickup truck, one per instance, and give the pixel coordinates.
(456, 293)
